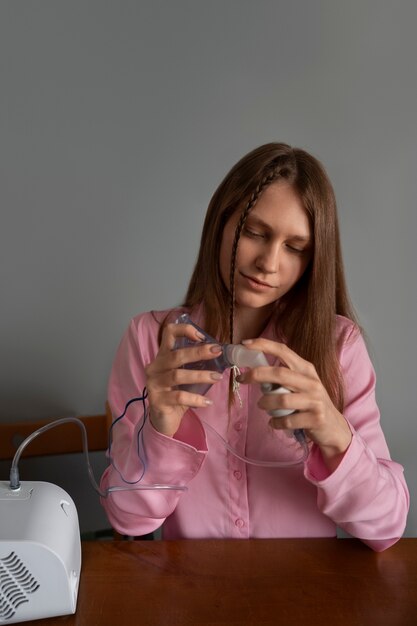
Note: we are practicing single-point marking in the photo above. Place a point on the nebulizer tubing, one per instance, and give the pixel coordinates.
(14, 470)
(257, 462)
(232, 355)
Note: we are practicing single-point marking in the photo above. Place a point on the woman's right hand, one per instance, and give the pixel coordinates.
(167, 403)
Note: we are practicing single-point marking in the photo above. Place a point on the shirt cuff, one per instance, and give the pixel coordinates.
(169, 459)
(317, 472)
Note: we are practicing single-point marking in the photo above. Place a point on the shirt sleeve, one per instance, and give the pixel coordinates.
(366, 495)
(144, 462)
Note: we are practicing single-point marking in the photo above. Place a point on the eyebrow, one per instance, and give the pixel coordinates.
(258, 222)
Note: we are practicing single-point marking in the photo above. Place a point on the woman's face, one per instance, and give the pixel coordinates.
(274, 248)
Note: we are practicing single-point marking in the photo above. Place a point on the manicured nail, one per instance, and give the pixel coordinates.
(216, 376)
(208, 402)
(215, 348)
(247, 341)
(199, 335)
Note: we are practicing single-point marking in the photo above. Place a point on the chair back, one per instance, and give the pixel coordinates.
(65, 438)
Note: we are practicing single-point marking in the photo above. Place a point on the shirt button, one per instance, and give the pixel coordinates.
(237, 474)
(238, 426)
(239, 523)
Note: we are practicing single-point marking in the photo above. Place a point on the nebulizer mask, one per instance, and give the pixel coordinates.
(235, 356)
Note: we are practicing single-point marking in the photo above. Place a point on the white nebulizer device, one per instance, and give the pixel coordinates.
(233, 355)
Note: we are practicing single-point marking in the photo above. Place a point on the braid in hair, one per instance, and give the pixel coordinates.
(265, 182)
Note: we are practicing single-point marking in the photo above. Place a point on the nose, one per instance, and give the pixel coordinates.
(267, 261)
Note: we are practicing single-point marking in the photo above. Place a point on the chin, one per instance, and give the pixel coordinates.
(256, 304)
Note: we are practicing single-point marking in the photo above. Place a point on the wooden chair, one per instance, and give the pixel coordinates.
(64, 439)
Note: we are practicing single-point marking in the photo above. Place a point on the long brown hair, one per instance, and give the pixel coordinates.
(305, 316)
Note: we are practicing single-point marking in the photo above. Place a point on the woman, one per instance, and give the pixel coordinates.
(269, 274)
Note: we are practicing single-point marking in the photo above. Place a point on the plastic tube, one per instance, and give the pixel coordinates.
(256, 461)
(232, 355)
(14, 470)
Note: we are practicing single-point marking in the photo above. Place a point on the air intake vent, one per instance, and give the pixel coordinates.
(16, 584)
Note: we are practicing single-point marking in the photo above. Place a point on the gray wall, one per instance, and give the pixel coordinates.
(118, 120)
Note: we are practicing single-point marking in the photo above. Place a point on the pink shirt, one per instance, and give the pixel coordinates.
(226, 497)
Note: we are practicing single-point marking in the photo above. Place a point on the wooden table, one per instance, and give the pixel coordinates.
(299, 582)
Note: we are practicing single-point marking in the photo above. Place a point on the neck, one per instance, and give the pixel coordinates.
(249, 323)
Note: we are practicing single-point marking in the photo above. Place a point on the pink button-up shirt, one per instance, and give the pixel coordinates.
(227, 497)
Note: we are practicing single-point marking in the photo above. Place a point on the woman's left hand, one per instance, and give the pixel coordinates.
(314, 410)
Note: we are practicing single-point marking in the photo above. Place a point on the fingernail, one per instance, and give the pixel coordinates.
(247, 341)
(216, 376)
(199, 335)
(208, 402)
(215, 348)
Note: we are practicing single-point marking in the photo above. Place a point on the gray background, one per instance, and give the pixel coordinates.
(119, 119)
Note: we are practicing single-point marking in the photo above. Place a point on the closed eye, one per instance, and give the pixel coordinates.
(296, 249)
(253, 233)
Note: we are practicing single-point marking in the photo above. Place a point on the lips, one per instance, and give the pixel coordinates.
(258, 282)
